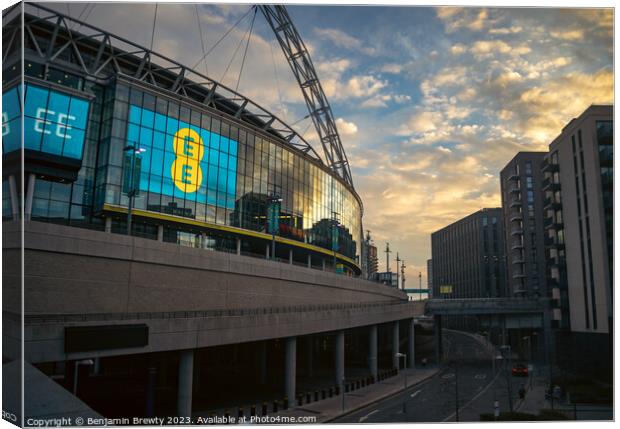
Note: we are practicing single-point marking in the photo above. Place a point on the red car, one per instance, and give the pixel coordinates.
(519, 370)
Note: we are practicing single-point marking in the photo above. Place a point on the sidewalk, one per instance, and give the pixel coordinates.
(331, 408)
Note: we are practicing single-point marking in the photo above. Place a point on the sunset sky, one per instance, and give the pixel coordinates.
(431, 103)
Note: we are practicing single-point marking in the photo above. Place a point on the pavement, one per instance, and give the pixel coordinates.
(327, 410)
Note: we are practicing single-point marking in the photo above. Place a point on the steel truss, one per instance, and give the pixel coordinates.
(320, 111)
(100, 56)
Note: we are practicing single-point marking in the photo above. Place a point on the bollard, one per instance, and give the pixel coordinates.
(264, 410)
(308, 397)
(331, 392)
(253, 411)
(275, 406)
(300, 399)
(316, 395)
(346, 388)
(322, 393)
(357, 384)
(337, 390)
(285, 403)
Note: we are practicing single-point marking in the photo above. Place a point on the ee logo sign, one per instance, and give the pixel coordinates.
(62, 127)
(189, 150)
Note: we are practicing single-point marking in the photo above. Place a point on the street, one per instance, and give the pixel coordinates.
(466, 389)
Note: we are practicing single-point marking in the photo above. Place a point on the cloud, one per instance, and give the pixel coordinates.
(392, 68)
(346, 128)
(342, 39)
(458, 49)
(512, 30)
(568, 34)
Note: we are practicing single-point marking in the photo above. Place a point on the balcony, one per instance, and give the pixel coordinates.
(513, 177)
(515, 203)
(516, 217)
(518, 261)
(516, 246)
(515, 189)
(550, 168)
(551, 223)
(519, 275)
(549, 185)
(516, 231)
(550, 203)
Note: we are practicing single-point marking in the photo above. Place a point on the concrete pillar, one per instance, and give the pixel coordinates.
(203, 240)
(150, 391)
(339, 357)
(15, 206)
(262, 362)
(238, 246)
(310, 359)
(29, 196)
(309, 260)
(267, 251)
(372, 351)
(160, 233)
(290, 373)
(438, 340)
(411, 351)
(97, 366)
(395, 344)
(323, 264)
(108, 224)
(186, 375)
(290, 256)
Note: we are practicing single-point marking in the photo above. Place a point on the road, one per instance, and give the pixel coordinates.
(469, 387)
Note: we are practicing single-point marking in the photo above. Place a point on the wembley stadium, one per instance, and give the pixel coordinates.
(115, 132)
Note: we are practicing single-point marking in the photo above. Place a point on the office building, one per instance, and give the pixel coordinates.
(522, 207)
(468, 259)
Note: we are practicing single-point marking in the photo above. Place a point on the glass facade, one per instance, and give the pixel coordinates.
(189, 161)
(196, 164)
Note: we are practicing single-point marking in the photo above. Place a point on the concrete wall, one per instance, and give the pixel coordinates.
(72, 270)
(77, 277)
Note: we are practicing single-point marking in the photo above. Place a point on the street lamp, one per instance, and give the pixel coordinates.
(404, 355)
(86, 362)
(273, 221)
(133, 151)
(508, 374)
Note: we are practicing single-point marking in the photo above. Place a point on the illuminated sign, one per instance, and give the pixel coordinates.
(445, 289)
(54, 123)
(181, 160)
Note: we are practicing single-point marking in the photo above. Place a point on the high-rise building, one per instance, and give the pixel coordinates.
(522, 206)
(578, 188)
(370, 261)
(468, 259)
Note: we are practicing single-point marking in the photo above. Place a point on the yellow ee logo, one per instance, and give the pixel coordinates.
(189, 150)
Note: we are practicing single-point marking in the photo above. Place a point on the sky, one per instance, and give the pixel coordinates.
(430, 103)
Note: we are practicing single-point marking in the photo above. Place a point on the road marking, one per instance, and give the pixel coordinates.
(449, 375)
(367, 415)
(414, 394)
(473, 399)
(480, 376)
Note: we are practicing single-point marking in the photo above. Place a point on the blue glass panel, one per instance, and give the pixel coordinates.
(54, 122)
(148, 118)
(160, 122)
(72, 148)
(217, 170)
(134, 114)
(32, 138)
(11, 132)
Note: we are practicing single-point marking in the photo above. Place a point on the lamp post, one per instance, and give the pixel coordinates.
(508, 375)
(397, 261)
(132, 150)
(404, 355)
(335, 237)
(274, 201)
(86, 362)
